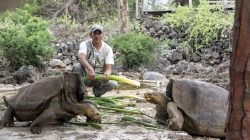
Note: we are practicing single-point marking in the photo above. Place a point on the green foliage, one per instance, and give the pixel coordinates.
(136, 49)
(24, 39)
(203, 25)
(32, 7)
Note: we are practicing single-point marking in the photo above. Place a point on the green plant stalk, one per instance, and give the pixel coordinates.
(152, 128)
(103, 99)
(121, 110)
(112, 102)
(121, 79)
(95, 125)
(111, 105)
(126, 97)
(106, 102)
(128, 118)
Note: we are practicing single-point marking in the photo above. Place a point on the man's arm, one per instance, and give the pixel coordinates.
(108, 69)
(90, 71)
(109, 61)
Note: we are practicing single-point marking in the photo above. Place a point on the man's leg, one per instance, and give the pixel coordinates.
(101, 88)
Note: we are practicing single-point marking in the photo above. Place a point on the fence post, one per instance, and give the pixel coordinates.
(225, 4)
(137, 8)
(190, 3)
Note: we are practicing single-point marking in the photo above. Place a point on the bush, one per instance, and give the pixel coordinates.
(202, 25)
(24, 39)
(136, 49)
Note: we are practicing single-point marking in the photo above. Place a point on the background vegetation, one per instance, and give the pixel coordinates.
(25, 39)
(201, 25)
(28, 32)
(135, 49)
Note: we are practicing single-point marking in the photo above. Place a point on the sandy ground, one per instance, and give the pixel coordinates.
(117, 131)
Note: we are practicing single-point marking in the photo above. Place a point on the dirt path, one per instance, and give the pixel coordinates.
(117, 131)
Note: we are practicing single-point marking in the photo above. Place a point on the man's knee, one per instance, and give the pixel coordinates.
(102, 89)
(113, 84)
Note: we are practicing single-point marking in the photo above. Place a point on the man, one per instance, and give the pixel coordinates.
(96, 57)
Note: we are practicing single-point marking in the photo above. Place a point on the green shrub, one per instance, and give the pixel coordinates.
(136, 49)
(203, 24)
(24, 39)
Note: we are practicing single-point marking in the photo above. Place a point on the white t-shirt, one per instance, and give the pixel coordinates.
(97, 59)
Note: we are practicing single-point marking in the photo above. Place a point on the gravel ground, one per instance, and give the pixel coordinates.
(115, 131)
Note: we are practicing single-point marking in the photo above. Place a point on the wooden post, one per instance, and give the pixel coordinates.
(225, 2)
(123, 15)
(238, 124)
(136, 8)
(190, 3)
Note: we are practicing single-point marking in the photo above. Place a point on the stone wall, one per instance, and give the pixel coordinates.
(213, 54)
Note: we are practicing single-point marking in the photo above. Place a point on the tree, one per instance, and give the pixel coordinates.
(238, 124)
(10, 4)
(123, 15)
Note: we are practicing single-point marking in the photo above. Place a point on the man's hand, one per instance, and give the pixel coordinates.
(105, 79)
(91, 74)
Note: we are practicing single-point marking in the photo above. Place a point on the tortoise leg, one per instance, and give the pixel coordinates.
(49, 115)
(8, 119)
(45, 117)
(161, 115)
(175, 117)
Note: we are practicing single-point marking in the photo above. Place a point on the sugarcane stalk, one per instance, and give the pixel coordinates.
(121, 110)
(111, 105)
(152, 128)
(126, 97)
(107, 100)
(131, 119)
(121, 79)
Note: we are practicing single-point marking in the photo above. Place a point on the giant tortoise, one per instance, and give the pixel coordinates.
(194, 106)
(49, 100)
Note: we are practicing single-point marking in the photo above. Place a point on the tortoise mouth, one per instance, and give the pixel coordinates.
(96, 118)
(150, 98)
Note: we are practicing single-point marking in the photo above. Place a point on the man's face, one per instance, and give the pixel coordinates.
(97, 36)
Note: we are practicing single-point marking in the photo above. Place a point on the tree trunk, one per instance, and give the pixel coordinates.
(10, 4)
(123, 15)
(238, 124)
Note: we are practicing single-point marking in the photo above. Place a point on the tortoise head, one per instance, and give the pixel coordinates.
(91, 112)
(72, 83)
(156, 97)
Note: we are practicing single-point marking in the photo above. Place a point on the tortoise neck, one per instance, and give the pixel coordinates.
(164, 100)
(85, 107)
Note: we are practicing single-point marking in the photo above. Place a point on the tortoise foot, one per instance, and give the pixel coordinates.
(9, 123)
(36, 130)
(174, 125)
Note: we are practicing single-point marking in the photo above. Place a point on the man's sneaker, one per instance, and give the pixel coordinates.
(96, 93)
